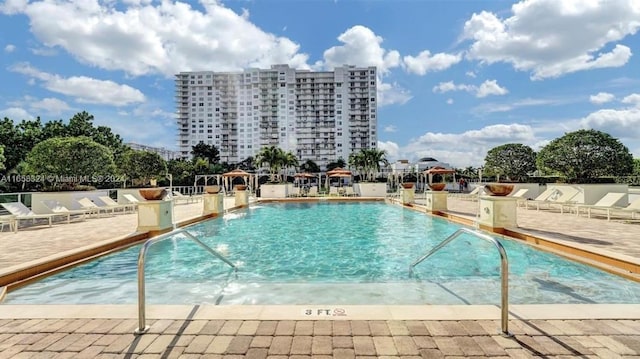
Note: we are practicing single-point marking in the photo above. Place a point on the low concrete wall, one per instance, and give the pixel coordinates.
(274, 190)
(592, 193)
(370, 189)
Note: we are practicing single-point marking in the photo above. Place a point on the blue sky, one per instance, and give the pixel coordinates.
(457, 78)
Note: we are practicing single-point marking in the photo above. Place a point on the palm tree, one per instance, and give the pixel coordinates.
(357, 160)
(371, 160)
(310, 166)
(273, 157)
(289, 160)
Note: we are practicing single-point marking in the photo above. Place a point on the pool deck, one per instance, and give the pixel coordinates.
(553, 331)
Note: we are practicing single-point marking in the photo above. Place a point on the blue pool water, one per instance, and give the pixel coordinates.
(329, 253)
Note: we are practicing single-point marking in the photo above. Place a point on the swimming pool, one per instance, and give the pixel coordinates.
(329, 253)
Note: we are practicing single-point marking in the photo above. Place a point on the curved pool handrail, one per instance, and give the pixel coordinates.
(142, 327)
(504, 270)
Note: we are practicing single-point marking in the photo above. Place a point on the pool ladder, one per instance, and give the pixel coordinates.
(142, 327)
(504, 271)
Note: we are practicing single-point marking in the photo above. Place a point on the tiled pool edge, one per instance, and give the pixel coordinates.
(325, 312)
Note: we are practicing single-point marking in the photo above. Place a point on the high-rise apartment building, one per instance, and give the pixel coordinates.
(317, 115)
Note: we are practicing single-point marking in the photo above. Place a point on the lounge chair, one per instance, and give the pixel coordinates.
(54, 207)
(22, 212)
(10, 220)
(564, 199)
(92, 208)
(108, 201)
(473, 195)
(632, 209)
(333, 192)
(545, 195)
(519, 193)
(297, 192)
(313, 191)
(179, 197)
(349, 192)
(131, 198)
(608, 201)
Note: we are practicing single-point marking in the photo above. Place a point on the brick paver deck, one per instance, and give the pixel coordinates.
(68, 337)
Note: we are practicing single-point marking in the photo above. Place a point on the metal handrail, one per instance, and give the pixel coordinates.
(504, 271)
(142, 327)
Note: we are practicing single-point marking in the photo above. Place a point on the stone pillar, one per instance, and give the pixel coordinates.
(213, 203)
(155, 216)
(242, 198)
(408, 195)
(436, 201)
(498, 212)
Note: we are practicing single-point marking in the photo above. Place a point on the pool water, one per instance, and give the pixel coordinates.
(329, 253)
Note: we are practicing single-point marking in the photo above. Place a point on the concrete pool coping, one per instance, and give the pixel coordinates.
(324, 312)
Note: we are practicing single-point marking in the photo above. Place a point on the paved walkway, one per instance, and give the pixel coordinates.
(86, 337)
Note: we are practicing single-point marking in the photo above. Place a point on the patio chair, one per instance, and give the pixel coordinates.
(631, 209)
(131, 198)
(520, 193)
(54, 207)
(88, 205)
(546, 194)
(179, 197)
(297, 192)
(349, 192)
(607, 201)
(473, 195)
(8, 220)
(22, 212)
(333, 192)
(313, 191)
(115, 205)
(565, 199)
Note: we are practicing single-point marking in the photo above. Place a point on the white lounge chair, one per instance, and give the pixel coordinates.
(349, 192)
(609, 200)
(632, 210)
(109, 202)
(8, 220)
(93, 208)
(22, 212)
(546, 194)
(313, 191)
(333, 192)
(519, 193)
(179, 197)
(54, 207)
(131, 198)
(561, 197)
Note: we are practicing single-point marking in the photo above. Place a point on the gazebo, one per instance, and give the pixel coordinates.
(436, 170)
(338, 173)
(228, 177)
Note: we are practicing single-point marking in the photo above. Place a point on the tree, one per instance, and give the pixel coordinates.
(70, 161)
(310, 166)
(208, 152)
(583, 155)
(273, 157)
(181, 171)
(289, 160)
(636, 166)
(2, 159)
(513, 160)
(143, 166)
(335, 164)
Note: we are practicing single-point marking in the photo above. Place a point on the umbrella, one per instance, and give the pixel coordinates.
(338, 170)
(304, 175)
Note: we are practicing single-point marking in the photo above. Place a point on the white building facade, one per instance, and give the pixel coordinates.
(165, 153)
(321, 116)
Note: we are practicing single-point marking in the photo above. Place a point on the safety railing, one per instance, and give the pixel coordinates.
(504, 271)
(142, 327)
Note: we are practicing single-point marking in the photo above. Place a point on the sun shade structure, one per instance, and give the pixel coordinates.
(338, 171)
(439, 170)
(236, 173)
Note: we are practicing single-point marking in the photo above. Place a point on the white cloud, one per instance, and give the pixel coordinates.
(10, 48)
(361, 47)
(487, 88)
(16, 114)
(633, 99)
(425, 62)
(450, 86)
(53, 106)
(624, 123)
(601, 97)
(471, 74)
(526, 102)
(392, 149)
(450, 101)
(389, 94)
(549, 37)
(84, 89)
(156, 37)
(390, 128)
(474, 144)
